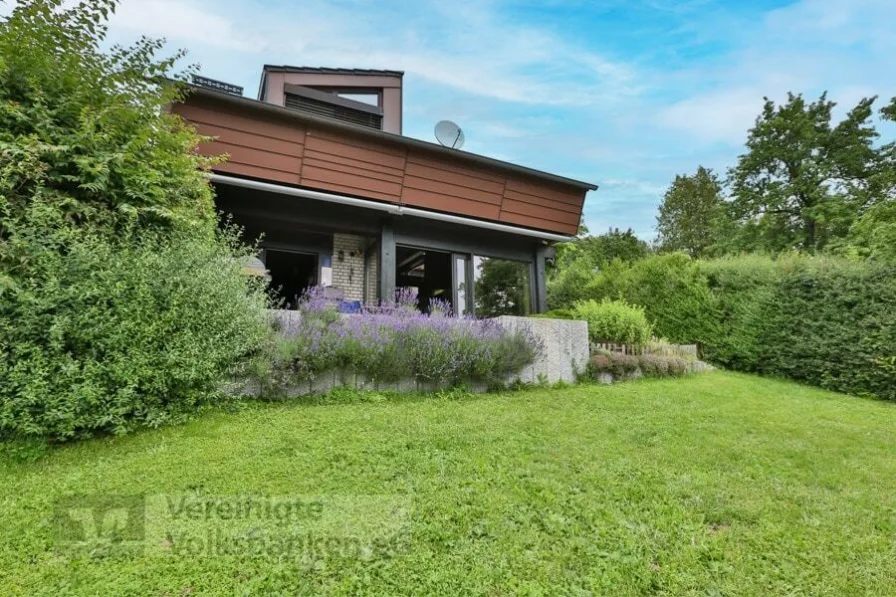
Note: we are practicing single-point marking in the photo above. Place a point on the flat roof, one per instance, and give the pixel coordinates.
(253, 104)
(323, 70)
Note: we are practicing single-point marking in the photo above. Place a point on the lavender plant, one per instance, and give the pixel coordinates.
(395, 341)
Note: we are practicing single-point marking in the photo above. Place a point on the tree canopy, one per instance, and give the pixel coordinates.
(692, 216)
(85, 132)
(121, 303)
(803, 180)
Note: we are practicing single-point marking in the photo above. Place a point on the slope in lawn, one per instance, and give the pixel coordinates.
(714, 484)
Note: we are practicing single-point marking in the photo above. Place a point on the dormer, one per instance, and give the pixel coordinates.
(370, 98)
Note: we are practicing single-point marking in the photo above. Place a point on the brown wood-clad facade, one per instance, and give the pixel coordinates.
(275, 147)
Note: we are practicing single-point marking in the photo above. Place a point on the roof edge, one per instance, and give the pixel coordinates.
(253, 104)
(331, 70)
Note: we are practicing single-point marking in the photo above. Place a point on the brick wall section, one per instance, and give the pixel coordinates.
(372, 290)
(348, 274)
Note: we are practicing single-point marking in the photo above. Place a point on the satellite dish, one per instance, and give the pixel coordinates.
(449, 134)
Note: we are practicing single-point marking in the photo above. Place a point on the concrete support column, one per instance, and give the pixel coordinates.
(386, 262)
(540, 302)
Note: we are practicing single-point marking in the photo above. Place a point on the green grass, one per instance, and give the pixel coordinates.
(719, 484)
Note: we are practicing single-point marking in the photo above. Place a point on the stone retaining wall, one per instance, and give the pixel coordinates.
(565, 348)
(563, 357)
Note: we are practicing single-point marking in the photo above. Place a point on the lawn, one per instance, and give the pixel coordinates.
(719, 484)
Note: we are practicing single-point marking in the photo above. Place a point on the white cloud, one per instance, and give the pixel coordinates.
(431, 41)
(723, 115)
(808, 47)
(183, 21)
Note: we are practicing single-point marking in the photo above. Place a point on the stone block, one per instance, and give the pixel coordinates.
(565, 348)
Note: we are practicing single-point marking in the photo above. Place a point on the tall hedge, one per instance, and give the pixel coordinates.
(820, 320)
(833, 324)
(824, 321)
(121, 304)
(745, 290)
(108, 336)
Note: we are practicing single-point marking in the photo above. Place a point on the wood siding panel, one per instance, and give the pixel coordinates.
(540, 224)
(265, 127)
(354, 184)
(277, 148)
(540, 201)
(467, 191)
(257, 172)
(345, 164)
(537, 211)
(448, 176)
(244, 139)
(447, 165)
(346, 190)
(335, 162)
(255, 156)
(429, 200)
(572, 197)
(350, 149)
(264, 149)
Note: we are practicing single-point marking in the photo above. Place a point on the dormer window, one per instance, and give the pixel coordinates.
(345, 106)
(371, 98)
(364, 97)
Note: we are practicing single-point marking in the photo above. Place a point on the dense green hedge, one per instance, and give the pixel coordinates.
(671, 288)
(745, 291)
(824, 321)
(831, 324)
(111, 336)
(121, 304)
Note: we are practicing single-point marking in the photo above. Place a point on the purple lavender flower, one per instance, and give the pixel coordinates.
(396, 341)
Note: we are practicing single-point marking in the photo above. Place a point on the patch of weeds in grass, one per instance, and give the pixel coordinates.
(23, 449)
(459, 392)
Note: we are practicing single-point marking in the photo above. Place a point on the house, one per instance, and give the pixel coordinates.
(318, 167)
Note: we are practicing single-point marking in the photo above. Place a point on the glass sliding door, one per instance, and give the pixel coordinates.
(503, 287)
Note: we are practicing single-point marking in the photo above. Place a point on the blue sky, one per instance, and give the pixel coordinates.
(626, 94)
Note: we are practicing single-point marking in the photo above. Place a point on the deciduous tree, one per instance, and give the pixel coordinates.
(874, 233)
(692, 217)
(803, 181)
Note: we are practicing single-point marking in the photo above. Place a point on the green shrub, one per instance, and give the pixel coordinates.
(676, 366)
(821, 320)
(654, 365)
(618, 364)
(120, 304)
(745, 288)
(623, 365)
(570, 283)
(110, 336)
(88, 130)
(663, 366)
(613, 321)
(671, 288)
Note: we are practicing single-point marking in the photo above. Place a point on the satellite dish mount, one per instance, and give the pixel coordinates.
(449, 134)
